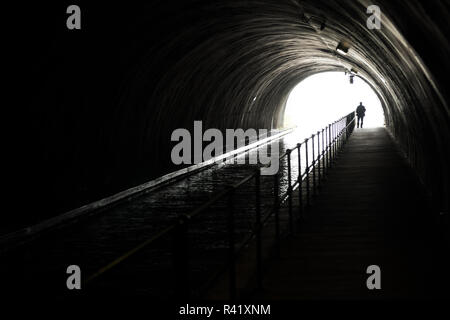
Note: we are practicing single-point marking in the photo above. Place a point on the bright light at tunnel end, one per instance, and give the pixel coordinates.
(321, 98)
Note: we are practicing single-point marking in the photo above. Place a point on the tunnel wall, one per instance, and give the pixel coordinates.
(93, 109)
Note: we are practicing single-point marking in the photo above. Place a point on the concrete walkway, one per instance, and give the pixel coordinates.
(370, 211)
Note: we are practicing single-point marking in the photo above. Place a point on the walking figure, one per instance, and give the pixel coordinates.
(360, 113)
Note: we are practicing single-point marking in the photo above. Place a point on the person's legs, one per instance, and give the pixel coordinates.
(359, 119)
(362, 121)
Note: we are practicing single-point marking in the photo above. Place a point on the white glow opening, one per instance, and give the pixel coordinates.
(324, 97)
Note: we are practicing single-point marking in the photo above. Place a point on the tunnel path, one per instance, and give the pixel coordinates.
(367, 213)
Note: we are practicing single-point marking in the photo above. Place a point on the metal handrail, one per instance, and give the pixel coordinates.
(335, 140)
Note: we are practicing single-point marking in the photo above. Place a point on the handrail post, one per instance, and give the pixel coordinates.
(335, 142)
(181, 258)
(300, 192)
(231, 246)
(288, 153)
(319, 170)
(308, 203)
(337, 139)
(326, 149)
(258, 230)
(276, 193)
(329, 146)
(324, 160)
(313, 165)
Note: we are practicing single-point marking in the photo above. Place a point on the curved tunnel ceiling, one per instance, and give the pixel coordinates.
(162, 66)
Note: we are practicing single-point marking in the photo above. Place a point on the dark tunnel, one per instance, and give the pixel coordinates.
(92, 111)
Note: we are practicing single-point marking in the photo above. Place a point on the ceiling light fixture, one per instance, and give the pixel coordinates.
(343, 47)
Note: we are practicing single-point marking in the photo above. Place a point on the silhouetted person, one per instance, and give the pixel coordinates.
(360, 113)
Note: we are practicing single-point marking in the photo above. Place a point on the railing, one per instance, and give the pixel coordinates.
(325, 146)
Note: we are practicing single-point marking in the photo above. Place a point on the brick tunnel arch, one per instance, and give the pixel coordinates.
(128, 85)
